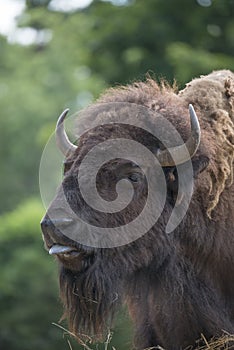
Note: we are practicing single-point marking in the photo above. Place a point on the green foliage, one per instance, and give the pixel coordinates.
(185, 58)
(28, 286)
(74, 58)
(137, 37)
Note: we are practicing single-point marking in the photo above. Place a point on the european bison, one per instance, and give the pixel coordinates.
(176, 285)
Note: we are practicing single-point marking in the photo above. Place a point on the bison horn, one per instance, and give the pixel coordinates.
(63, 143)
(181, 154)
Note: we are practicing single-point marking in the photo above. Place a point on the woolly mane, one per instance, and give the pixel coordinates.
(213, 100)
(213, 95)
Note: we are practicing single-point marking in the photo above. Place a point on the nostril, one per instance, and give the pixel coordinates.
(46, 222)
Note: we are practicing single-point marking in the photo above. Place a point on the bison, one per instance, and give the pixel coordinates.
(177, 285)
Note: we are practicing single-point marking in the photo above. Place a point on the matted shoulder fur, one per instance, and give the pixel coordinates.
(213, 95)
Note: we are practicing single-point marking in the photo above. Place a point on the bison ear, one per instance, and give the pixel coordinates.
(200, 163)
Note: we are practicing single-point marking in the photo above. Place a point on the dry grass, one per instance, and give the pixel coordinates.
(222, 343)
(85, 344)
(217, 344)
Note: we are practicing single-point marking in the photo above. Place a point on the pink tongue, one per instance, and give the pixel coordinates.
(60, 249)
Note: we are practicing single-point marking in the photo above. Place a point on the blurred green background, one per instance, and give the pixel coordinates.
(64, 53)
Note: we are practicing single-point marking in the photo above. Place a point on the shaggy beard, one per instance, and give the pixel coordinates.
(90, 301)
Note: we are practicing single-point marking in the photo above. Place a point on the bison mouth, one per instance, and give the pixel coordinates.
(71, 254)
(73, 258)
(65, 251)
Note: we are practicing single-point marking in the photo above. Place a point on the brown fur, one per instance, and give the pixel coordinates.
(176, 286)
(213, 95)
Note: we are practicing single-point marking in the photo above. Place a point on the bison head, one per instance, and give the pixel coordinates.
(95, 271)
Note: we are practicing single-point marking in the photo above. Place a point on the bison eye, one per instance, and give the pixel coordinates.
(134, 177)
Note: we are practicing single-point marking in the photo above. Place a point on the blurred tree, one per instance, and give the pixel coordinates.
(28, 286)
(138, 35)
(36, 83)
(37, 3)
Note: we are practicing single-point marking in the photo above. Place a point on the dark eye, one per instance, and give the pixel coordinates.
(134, 177)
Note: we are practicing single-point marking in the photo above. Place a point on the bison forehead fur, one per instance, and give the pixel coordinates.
(176, 286)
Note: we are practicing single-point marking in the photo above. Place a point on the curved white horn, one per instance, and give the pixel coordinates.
(62, 140)
(181, 154)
